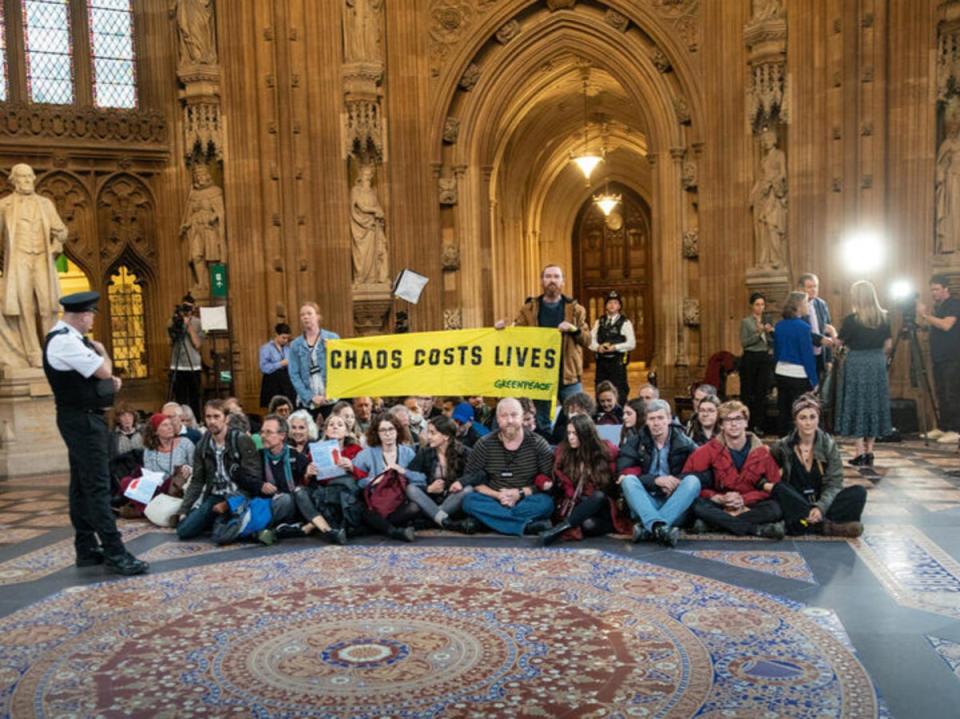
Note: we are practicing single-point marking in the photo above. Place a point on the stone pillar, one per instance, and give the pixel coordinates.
(29, 440)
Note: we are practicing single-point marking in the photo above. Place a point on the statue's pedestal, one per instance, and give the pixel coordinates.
(29, 440)
(773, 283)
(371, 309)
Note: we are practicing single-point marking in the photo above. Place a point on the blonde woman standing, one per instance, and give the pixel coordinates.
(864, 408)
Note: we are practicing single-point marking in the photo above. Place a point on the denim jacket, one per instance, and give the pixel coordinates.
(299, 364)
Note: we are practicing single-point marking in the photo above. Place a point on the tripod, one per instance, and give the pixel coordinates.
(918, 374)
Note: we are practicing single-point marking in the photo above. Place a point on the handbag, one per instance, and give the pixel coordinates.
(387, 495)
(162, 510)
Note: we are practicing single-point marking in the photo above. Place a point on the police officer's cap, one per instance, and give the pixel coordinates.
(614, 295)
(80, 302)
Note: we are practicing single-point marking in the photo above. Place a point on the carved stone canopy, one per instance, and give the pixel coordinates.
(451, 130)
(470, 77)
(509, 31)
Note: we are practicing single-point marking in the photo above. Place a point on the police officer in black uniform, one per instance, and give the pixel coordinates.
(613, 339)
(81, 376)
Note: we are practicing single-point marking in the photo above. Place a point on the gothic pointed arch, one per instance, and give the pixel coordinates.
(75, 206)
(125, 218)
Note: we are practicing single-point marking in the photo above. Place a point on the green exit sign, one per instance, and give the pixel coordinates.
(218, 280)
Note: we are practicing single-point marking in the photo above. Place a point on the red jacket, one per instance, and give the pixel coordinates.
(565, 487)
(715, 457)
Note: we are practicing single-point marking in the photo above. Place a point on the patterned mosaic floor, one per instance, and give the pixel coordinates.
(369, 632)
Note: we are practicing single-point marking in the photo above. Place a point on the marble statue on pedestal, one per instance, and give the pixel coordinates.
(768, 199)
(948, 190)
(33, 237)
(367, 231)
(203, 227)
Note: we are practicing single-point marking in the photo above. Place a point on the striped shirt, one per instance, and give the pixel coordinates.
(505, 469)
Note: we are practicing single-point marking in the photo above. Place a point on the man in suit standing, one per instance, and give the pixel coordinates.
(824, 333)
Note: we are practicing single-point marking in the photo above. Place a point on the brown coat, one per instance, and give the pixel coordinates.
(571, 349)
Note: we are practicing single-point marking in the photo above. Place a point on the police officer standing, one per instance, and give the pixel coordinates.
(612, 340)
(81, 377)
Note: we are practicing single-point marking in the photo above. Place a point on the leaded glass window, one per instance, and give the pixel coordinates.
(127, 331)
(111, 49)
(3, 55)
(48, 43)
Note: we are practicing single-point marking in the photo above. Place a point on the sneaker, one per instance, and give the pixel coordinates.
(339, 536)
(842, 529)
(868, 462)
(771, 530)
(641, 534)
(666, 535)
(467, 525)
(859, 460)
(90, 558)
(125, 564)
(698, 527)
(288, 530)
(538, 526)
(933, 434)
(266, 537)
(948, 438)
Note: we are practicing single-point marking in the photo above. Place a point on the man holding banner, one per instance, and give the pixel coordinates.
(554, 309)
(511, 471)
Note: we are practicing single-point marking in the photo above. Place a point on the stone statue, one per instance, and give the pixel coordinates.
(948, 191)
(363, 31)
(33, 237)
(203, 227)
(769, 201)
(366, 228)
(196, 31)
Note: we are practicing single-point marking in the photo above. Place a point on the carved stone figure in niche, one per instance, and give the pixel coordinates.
(688, 175)
(769, 201)
(447, 189)
(691, 312)
(767, 9)
(363, 31)
(509, 31)
(453, 319)
(450, 259)
(451, 130)
(471, 76)
(691, 244)
(948, 188)
(33, 237)
(366, 228)
(195, 29)
(203, 227)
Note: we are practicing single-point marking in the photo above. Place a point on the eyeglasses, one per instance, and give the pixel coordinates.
(734, 419)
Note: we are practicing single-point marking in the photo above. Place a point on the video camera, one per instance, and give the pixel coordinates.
(178, 322)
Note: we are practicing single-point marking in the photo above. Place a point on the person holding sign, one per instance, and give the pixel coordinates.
(554, 309)
(516, 468)
(307, 361)
(442, 462)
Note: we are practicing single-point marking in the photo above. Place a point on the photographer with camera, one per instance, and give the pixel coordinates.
(945, 356)
(186, 338)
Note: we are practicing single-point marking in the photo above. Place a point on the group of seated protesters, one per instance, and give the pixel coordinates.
(457, 465)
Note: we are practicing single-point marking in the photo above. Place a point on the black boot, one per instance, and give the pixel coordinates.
(336, 536)
(552, 535)
(537, 526)
(402, 534)
(467, 525)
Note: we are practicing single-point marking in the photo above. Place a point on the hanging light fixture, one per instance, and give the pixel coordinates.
(607, 200)
(586, 160)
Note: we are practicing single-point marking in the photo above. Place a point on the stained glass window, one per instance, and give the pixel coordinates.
(47, 39)
(3, 55)
(127, 331)
(111, 47)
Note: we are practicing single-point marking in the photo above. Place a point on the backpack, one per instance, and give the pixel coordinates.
(388, 495)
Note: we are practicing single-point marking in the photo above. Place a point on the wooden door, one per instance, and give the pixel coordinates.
(613, 253)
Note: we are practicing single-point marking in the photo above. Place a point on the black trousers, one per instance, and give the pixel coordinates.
(593, 514)
(788, 390)
(755, 385)
(614, 369)
(400, 517)
(86, 436)
(946, 381)
(847, 506)
(742, 524)
(186, 390)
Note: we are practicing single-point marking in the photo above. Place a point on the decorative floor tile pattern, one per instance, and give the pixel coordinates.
(175, 549)
(13, 536)
(912, 568)
(369, 632)
(787, 565)
(948, 651)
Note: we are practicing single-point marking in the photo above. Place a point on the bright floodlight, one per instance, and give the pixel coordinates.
(901, 289)
(863, 252)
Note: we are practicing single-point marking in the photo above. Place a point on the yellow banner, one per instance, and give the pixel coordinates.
(513, 362)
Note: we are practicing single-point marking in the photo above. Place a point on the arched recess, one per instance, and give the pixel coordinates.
(519, 123)
(129, 282)
(75, 207)
(614, 253)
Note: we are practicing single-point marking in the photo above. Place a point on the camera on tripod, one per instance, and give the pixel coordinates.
(905, 302)
(178, 322)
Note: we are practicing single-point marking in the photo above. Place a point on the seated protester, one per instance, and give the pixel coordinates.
(648, 392)
(289, 470)
(430, 407)
(610, 411)
(126, 435)
(583, 473)
(702, 391)
(810, 491)
(163, 452)
(448, 404)
(482, 414)
(506, 468)
(403, 416)
(655, 485)
(468, 430)
(363, 413)
(740, 464)
(418, 423)
(176, 414)
(344, 410)
(241, 422)
(388, 449)
(704, 425)
(634, 418)
(280, 405)
(442, 461)
(225, 465)
(577, 403)
(302, 431)
(529, 419)
(190, 421)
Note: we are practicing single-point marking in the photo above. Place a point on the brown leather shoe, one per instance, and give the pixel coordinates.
(851, 530)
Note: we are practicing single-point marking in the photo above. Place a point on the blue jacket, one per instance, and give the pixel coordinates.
(371, 461)
(793, 342)
(299, 365)
(271, 356)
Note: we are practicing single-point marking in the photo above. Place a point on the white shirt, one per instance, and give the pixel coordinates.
(630, 339)
(68, 352)
(814, 326)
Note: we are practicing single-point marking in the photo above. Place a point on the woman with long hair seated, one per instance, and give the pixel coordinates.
(634, 416)
(441, 461)
(810, 491)
(704, 425)
(385, 460)
(584, 472)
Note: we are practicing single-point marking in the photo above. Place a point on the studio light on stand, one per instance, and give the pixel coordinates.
(863, 252)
